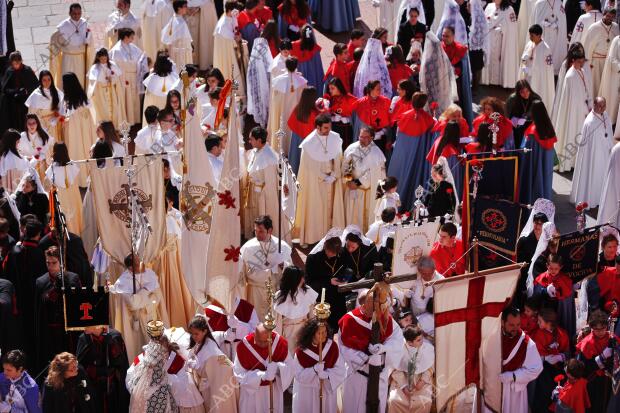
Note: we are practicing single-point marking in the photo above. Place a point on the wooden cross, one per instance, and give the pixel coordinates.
(383, 279)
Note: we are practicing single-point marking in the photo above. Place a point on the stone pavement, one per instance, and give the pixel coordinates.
(35, 20)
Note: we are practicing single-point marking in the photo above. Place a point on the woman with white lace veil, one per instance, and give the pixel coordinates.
(258, 81)
(451, 17)
(403, 13)
(436, 74)
(548, 233)
(30, 196)
(372, 67)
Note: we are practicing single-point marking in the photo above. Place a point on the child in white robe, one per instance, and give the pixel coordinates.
(387, 197)
(12, 165)
(105, 89)
(176, 37)
(64, 176)
(45, 101)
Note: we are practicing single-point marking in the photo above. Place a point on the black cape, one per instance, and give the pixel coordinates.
(15, 88)
(77, 260)
(74, 397)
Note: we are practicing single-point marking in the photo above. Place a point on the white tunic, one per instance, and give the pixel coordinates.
(583, 24)
(32, 146)
(146, 138)
(62, 176)
(595, 144)
(501, 67)
(37, 100)
(117, 21)
(610, 80)
(537, 69)
(596, 43)
(609, 207)
(551, 16)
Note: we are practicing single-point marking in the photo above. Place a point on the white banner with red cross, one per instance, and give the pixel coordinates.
(468, 310)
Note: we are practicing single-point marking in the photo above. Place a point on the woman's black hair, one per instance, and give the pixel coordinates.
(53, 90)
(75, 96)
(101, 150)
(199, 322)
(15, 358)
(171, 93)
(60, 154)
(370, 86)
(216, 73)
(162, 66)
(409, 88)
(289, 285)
(306, 104)
(306, 333)
(540, 117)
(100, 53)
(385, 185)
(270, 32)
(9, 142)
(337, 83)
(485, 138)
(301, 5)
(395, 55)
(42, 133)
(451, 136)
(308, 41)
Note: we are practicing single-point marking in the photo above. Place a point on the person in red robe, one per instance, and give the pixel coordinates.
(251, 21)
(292, 15)
(339, 68)
(397, 67)
(308, 54)
(448, 145)
(574, 394)
(553, 284)
(595, 351)
(607, 296)
(341, 109)
(255, 372)
(402, 102)
(553, 344)
(454, 50)
(489, 106)
(301, 124)
(373, 111)
(357, 42)
(483, 142)
(448, 251)
(529, 316)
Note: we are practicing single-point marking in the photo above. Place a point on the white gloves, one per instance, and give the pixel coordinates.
(328, 179)
(270, 373)
(551, 290)
(607, 352)
(376, 348)
(191, 363)
(229, 335)
(320, 371)
(359, 359)
(376, 3)
(506, 377)
(554, 358)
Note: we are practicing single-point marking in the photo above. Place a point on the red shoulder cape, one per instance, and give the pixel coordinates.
(545, 143)
(415, 122)
(356, 336)
(330, 358)
(302, 129)
(508, 344)
(304, 55)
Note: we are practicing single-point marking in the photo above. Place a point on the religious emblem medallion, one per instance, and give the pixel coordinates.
(577, 253)
(199, 206)
(119, 204)
(494, 220)
(412, 257)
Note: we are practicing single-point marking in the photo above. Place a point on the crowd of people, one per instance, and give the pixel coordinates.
(394, 111)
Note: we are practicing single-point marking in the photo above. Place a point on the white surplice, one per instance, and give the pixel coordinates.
(609, 207)
(537, 69)
(117, 21)
(595, 144)
(175, 36)
(550, 15)
(583, 24)
(501, 66)
(574, 103)
(367, 165)
(610, 80)
(596, 43)
(74, 41)
(306, 384)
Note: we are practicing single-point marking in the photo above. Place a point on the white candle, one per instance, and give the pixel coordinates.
(323, 296)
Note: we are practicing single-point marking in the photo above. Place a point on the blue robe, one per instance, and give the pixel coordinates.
(249, 33)
(294, 152)
(283, 29)
(28, 390)
(335, 16)
(458, 173)
(463, 85)
(313, 71)
(409, 165)
(536, 175)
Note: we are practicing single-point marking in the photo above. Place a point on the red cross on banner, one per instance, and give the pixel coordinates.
(472, 315)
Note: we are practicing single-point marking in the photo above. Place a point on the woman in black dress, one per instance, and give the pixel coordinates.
(30, 198)
(609, 251)
(67, 389)
(440, 200)
(360, 253)
(518, 107)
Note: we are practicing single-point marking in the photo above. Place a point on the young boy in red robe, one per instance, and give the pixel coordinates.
(552, 344)
(595, 352)
(529, 316)
(357, 42)
(573, 396)
(339, 68)
(447, 251)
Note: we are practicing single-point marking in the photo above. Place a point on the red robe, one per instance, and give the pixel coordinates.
(264, 15)
(249, 362)
(356, 336)
(505, 127)
(329, 359)
(609, 283)
(455, 52)
(508, 344)
(351, 49)
(341, 71)
(447, 151)
(590, 347)
(445, 256)
(302, 129)
(218, 319)
(415, 122)
(304, 55)
(562, 283)
(529, 324)
(341, 105)
(545, 143)
(575, 395)
(292, 18)
(399, 72)
(551, 343)
(246, 17)
(440, 126)
(373, 112)
(400, 107)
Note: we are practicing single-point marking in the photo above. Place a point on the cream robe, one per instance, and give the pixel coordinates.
(156, 90)
(228, 55)
(501, 67)
(609, 206)
(354, 389)
(291, 316)
(551, 17)
(610, 80)
(254, 398)
(320, 204)
(278, 66)
(117, 21)
(175, 36)
(285, 94)
(368, 166)
(179, 302)
(213, 374)
(105, 91)
(12, 168)
(201, 26)
(596, 43)
(41, 105)
(132, 62)
(417, 401)
(130, 312)
(306, 384)
(574, 102)
(537, 69)
(259, 261)
(71, 50)
(151, 29)
(583, 24)
(80, 134)
(65, 179)
(38, 154)
(595, 144)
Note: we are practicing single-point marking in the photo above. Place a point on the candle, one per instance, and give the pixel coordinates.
(323, 296)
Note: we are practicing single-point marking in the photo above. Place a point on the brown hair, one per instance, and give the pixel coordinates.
(52, 252)
(58, 367)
